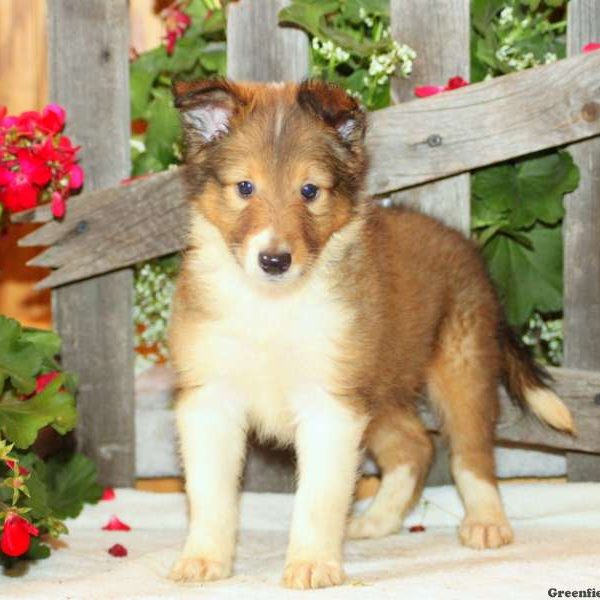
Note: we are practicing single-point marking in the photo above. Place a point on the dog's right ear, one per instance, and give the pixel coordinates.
(207, 108)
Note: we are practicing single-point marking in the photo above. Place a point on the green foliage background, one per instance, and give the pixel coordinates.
(51, 490)
(517, 206)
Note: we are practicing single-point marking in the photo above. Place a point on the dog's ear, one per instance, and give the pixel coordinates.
(335, 107)
(207, 108)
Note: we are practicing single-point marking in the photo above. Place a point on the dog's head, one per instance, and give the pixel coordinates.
(277, 168)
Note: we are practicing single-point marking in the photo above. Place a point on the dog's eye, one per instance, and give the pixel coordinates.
(309, 191)
(245, 189)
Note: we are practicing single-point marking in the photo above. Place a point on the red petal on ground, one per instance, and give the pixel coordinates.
(117, 550)
(108, 494)
(115, 524)
(417, 528)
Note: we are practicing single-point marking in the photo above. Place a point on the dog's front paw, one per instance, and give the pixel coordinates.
(306, 575)
(198, 568)
(481, 535)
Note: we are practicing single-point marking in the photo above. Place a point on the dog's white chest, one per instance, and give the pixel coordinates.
(272, 351)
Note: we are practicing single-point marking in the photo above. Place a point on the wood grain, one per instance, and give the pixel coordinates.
(273, 472)
(88, 58)
(259, 50)
(582, 242)
(439, 31)
(479, 125)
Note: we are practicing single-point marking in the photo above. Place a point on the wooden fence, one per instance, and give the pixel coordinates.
(422, 151)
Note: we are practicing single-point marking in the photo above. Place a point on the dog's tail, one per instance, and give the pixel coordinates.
(528, 383)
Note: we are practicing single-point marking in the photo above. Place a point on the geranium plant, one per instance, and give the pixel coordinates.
(38, 164)
(36, 495)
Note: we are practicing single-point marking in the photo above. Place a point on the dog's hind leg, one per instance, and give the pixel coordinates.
(463, 385)
(403, 450)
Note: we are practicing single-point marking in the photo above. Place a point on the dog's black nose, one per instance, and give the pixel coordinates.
(274, 264)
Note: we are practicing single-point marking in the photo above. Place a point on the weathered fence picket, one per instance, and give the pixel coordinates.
(89, 74)
(442, 44)
(582, 240)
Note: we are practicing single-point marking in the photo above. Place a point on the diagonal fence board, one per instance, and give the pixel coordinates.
(479, 125)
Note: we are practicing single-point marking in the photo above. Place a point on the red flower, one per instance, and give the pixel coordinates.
(115, 524)
(53, 118)
(42, 381)
(16, 535)
(591, 47)
(117, 550)
(108, 494)
(431, 90)
(11, 464)
(176, 24)
(57, 205)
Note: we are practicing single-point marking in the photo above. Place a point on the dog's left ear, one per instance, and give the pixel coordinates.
(336, 108)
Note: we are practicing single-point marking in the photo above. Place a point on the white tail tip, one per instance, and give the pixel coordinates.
(548, 407)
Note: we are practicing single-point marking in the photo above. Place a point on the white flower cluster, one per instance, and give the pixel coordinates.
(329, 51)
(507, 16)
(400, 58)
(511, 56)
(154, 287)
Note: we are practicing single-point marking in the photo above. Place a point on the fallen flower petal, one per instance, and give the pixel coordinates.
(456, 82)
(115, 524)
(591, 47)
(117, 550)
(108, 494)
(428, 90)
(416, 528)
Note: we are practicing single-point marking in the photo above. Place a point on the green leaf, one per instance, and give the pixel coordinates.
(20, 420)
(164, 128)
(525, 192)
(70, 483)
(527, 279)
(46, 342)
(140, 83)
(38, 550)
(307, 14)
(19, 359)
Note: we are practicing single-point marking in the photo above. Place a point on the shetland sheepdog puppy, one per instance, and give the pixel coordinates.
(312, 316)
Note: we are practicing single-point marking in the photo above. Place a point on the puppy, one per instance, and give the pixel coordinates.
(308, 314)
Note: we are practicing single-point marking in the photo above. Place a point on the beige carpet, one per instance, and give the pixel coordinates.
(557, 546)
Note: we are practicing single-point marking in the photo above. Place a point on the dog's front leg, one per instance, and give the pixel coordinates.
(212, 434)
(327, 443)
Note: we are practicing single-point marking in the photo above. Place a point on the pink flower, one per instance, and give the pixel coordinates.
(176, 24)
(431, 90)
(75, 176)
(117, 550)
(16, 535)
(18, 193)
(108, 494)
(115, 524)
(591, 47)
(53, 118)
(45, 379)
(58, 206)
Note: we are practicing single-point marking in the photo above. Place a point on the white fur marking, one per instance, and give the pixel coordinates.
(385, 514)
(548, 407)
(209, 121)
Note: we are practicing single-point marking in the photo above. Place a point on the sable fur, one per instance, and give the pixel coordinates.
(379, 307)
